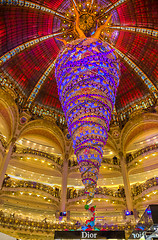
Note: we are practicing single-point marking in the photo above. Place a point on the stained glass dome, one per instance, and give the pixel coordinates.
(29, 47)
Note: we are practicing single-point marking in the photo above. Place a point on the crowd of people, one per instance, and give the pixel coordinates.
(72, 163)
(8, 182)
(112, 161)
(139, 188)
(73, 193)
(131, 156)
(55, 191)
(16, 222)
(57, 160)
(136, 189)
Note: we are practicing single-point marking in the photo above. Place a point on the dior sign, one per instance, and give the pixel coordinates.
(88, 235)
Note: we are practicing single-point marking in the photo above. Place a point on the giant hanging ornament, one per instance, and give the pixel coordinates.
(87, 74)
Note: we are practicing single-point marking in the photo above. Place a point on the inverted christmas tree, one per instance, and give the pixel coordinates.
(87, 74)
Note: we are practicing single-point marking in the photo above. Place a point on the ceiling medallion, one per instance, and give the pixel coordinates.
(23, 120)
(86, 22)
(115, 134)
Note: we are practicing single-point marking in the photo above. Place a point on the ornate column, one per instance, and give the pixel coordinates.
(6, 159)
(126, 182)
(64, 185)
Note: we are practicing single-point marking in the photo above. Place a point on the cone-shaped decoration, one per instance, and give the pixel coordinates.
(87, 74)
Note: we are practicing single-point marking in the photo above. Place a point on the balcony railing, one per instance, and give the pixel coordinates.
(57, 160)
(9, 183)
(111, 161)
(45, 226)
(130, 157)
(73, 193)
(139, 188)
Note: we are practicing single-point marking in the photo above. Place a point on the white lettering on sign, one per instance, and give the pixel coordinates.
(89, 235)
(138, 235)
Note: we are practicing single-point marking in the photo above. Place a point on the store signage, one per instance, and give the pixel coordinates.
(137, 234)
(89, 235)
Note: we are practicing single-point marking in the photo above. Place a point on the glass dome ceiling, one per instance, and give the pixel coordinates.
(29, 46)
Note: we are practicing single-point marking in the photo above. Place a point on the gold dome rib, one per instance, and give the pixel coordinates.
(20, 48)
(150, 32)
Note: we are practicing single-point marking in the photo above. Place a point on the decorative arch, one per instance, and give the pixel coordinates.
(46, 129)
(9, 115)
(136, 126)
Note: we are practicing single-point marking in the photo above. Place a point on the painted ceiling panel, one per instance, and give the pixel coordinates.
(124, 41)
(27, 67)
(126, 14)
(50, 99)
(130, 88)
(20, 25)
(143, 13)
(50, 4)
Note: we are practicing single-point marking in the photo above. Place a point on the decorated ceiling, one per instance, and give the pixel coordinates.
(32, 34)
